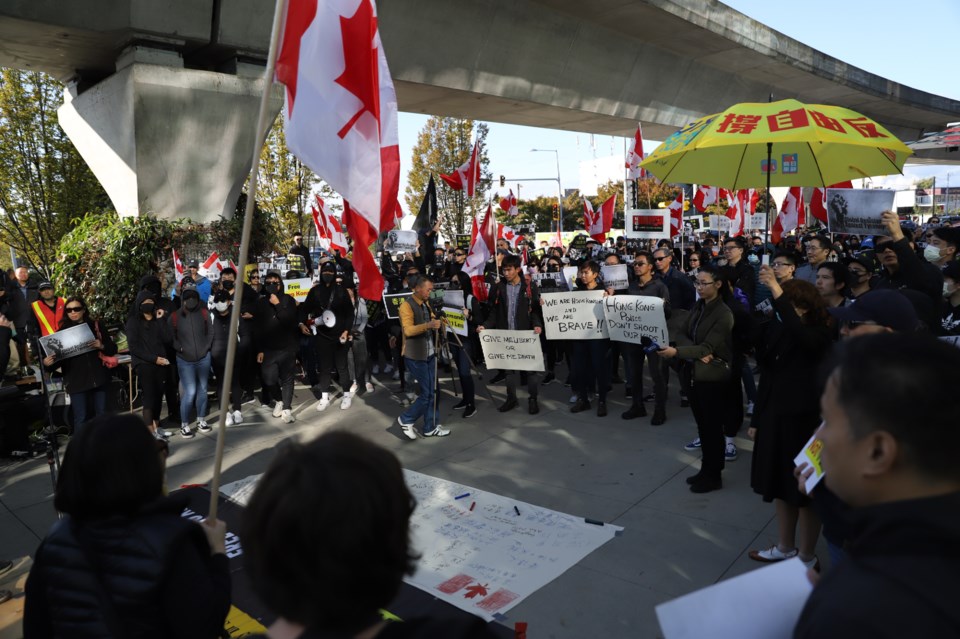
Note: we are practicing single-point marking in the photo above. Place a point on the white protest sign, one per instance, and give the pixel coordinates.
(647, 224)
(298, 288)
(614, 276)
(401, 241)
(756, 221)
(574, 315)
(720, 223)
(858, 211)
(511, 350)
(715, 611)
(810, 455)
(570, 276)
(630, 317)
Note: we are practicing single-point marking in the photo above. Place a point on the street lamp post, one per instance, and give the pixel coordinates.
(559, 188)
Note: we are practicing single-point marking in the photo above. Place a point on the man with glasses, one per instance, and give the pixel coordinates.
(459, 257)
(902, 267)
(784, 266)
(817, 250)
(682, 299)
(734, 250)
(861, 269)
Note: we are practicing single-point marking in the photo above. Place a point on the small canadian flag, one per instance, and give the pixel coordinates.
(178, 266)
(211, 261)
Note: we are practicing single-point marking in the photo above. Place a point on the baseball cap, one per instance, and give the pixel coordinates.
(44, 285)
(885, 307)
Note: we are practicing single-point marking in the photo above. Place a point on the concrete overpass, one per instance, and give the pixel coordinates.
(596, 67)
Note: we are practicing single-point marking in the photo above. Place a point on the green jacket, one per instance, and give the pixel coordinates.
(709, 331)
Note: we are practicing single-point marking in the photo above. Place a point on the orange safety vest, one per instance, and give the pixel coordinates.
(48, 318)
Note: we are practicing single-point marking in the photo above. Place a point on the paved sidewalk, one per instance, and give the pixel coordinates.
(624, 472)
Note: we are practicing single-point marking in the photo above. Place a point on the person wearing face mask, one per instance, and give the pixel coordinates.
(276, 340)
(902, 267)
(220, 327)
(942, 248)
(192, 337)
(327, 312)
(861, 269)
(248, 370)
(951, 298)
(145, 339)
(171, 378)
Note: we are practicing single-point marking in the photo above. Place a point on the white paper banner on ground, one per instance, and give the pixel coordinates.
(858, 211)
(570, 276)
(511, 350)
(630, 317)
(711, 612)
(401, 242)
(756, 221)
(614, 276)
(485, 560)
(69, 342)
(720, 223)
(811, 456)
(574, 315)
(648, 224)
(298, 288)
(453, 304)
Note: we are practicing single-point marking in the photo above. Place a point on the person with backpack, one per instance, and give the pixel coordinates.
(192, 338)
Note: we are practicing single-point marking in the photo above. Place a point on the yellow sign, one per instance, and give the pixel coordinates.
(456, 322)
(298, 288)
(239, 624)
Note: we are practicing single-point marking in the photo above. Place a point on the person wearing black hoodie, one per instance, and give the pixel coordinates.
(145, 337)
(171, 379)
(328, 311)
(889, 441)
(275, 340)
(220, 321)
(192, 337)
(248, 370)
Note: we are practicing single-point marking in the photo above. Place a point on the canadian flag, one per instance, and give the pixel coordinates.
(332, 231)
(342, 115)
(635, 157)
(749, 198)
(178, 266)
(481, 250)
(706, 195)
(467, 176)
(676, 215)
(209, 264)
(509, 204)
(790, 216)
(509, 234)
(734, 212)
(599, 223)
(818, 200)
(323, 238)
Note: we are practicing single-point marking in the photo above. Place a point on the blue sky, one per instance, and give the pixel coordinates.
(908, 42)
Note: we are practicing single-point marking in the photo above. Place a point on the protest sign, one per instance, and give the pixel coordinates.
(756, 221)
(614, 276)
(648, 224)
(570, 276)
(579, 242)
(537, 255)
(858, 211)
(574, 315)
(453, 304)
(811, 456)
(296, 263)
(720, 223)
(463, 241)
(69, 342)
(631, 317)
(511, 350)
(401, 241)
(695, 222)
(298, 288)
(392, 304)
(549, 281)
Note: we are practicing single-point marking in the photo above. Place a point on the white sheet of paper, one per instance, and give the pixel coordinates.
(811, 456)
(780, 591)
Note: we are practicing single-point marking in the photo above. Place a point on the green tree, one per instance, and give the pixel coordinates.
(44, 183)
(925, 183)
(443, 145)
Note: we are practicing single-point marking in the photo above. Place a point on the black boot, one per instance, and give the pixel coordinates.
(581, 405)
(510, 404)
(533, 405)
(659, 416)
(634, 412)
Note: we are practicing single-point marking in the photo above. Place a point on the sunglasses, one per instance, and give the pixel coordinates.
(74, 309)
(459, 254)
(659, 259)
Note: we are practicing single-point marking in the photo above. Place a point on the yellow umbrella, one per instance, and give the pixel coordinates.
(785, 143)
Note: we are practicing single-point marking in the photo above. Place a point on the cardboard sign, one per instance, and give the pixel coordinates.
(858, 211)
(631, 317)
(298, 288)
(648, 224)
(453, 303)
(512, 350)
(401, 241)
(392, 303)
(811, 456)
(463, 241)
(574, 315)
(614, 276)
(720, 223)
(69, 342)
(756, 221)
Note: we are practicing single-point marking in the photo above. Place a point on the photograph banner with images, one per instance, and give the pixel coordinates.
(574, 315)
(549, 281)
(401, 241)
(695, 222)
(570, 276)
(631, 317)
(858, 211)
(69, 342)
(511, 350)
(298, 288)
(647, 224)
(614, 276)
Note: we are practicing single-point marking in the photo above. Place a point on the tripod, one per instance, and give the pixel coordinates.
(49, 430)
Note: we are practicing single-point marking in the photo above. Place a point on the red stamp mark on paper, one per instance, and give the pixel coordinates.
(497, 600)
(454, 584)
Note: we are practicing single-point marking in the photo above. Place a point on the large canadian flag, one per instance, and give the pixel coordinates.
(635, 157)
(818, 200)
(790, 216)
(509, 204)
(332, 230)
(734, 211)
(509, 234)
(676, 215)
(481, 250)
(467, 175)
(706, 195)
(342, 115)
(599, 223)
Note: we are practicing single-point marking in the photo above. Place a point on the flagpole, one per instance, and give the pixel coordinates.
(263, 126)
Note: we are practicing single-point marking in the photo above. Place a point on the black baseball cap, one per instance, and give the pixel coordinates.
(883, 306)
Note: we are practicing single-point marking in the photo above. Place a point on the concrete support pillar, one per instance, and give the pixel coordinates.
(164, 140)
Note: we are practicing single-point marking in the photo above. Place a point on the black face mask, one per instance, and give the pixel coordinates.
(273, 287)
(192, 304)
(328, 278)
(553, 269)
(228, 285)
(146, 309)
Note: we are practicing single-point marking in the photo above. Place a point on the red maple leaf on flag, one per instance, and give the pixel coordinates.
(361, 77)
(475, 590)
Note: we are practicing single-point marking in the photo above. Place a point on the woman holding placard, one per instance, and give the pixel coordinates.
(590, 360)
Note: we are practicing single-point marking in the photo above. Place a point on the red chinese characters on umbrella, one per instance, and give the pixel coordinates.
(793, 119)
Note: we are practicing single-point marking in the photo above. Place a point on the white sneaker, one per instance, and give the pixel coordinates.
(411, 397)
(573, 398)
(229, 418)
(353, 388)
(288, 417)
(370, 387)
(237, 417)
(278, 409)
(407, 429)
(203, 426)
(396, 375)
(346, 400)
(376, 368)
(388, 369)
(749, 409)
(438, 431)
(324, 401)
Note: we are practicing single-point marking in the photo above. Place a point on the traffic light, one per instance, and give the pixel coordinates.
(503, 181)
(556, 212)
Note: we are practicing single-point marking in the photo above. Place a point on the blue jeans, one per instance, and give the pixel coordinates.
(193, 386)
(87, 405)
(423, 372)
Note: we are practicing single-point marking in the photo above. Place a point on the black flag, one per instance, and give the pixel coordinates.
(427, 216)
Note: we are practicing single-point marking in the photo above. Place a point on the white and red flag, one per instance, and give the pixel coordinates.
(178, 266)
(210, 263)
(323, 237)
(706, 195)
(790, 216)
(341, 117)
(599, 222)
(509, 234)
(749, 198)
(509, 204)
(818, 200)
(481, 250)
(635, 157)
(734, 211)
(676, 215)
(467, 175)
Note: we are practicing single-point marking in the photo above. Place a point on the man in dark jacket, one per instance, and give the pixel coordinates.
(515, 306)
(735, 250)
(327, 313)
(247, 367)
(682, 298)
(190, 333)
(902, 267)
(297, 248)
(276, 342)
(889, 439)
